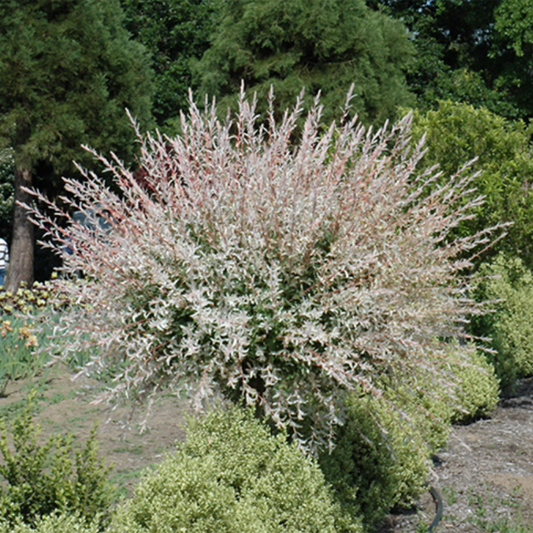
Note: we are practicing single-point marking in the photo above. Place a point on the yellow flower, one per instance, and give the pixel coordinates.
(32, 341)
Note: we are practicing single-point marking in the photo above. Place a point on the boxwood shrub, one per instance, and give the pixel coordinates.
(382, 455)
(380, 459)
(54, 523)
(232, 476)
(39, 479)
(508, 284)
(477, 388)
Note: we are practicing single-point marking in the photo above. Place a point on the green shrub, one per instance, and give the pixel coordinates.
(509, 285)
(477, 387)
(55, 523)
(42, 479)
(382, 455)
(380, 459)
(232, 475)
(457, 133)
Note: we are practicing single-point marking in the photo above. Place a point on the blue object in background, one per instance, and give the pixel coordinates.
(4, 260)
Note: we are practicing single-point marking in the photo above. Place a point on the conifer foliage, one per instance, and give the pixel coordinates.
(324, 45)
(68, 71)
(275, 266)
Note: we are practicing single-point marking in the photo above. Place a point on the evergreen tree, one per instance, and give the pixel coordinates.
(68, 71)
(512, 51)
(479, 52)
(174, 32)
(320, 45)
(6, 193)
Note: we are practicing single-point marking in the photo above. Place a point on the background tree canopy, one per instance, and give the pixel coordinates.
(6, 193)
(326, 46)
(68, 69)
(457, 133)
(174, 32)
(477, 52)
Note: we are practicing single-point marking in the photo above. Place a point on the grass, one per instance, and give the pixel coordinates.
(486, 509)
(135, 449)
(124, 479)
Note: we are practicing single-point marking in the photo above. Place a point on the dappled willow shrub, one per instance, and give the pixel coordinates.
(277, 265)
(232, 476)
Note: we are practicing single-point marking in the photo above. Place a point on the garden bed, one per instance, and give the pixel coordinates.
(485, 474)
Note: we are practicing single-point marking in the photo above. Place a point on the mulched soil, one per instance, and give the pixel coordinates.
(485, 474)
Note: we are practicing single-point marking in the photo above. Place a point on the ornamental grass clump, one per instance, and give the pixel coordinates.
(281, 264)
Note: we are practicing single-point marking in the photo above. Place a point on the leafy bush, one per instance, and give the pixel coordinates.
(477, 386)
(472, 392)
(456, 133)
(42, 479)
(278, 267)
(232, 476)
(380, 459)
(382, 455)
(55, 523)
(508, 285)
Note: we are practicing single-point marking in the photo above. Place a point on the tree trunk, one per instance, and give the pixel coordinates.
(22, 244)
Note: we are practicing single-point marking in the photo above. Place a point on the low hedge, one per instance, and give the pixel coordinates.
(54, 523)
(232, 476)
(379, 460)
(477, 389)
(383, 452)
